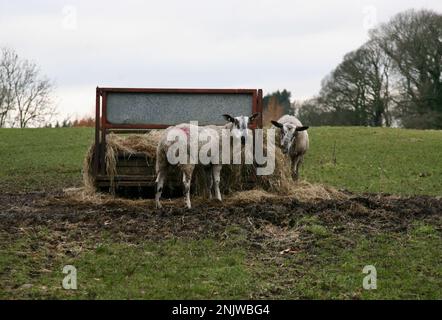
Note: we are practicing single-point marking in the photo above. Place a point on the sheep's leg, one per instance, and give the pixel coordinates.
(209, 178)
(301, 160)
(216, 171)
(159, 187)
(295, 169)
(187, 178)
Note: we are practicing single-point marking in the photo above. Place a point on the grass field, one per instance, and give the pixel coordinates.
(377, 159)
(358, 159)
(315, 250)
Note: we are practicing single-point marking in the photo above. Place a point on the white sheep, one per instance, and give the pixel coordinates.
(237, 128)
(293, 141)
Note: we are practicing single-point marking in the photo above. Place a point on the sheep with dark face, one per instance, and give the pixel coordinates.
(293, 141)
(237, 128)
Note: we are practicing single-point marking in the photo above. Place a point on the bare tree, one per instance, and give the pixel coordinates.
(9, 65)
(358, 89)
(377, 72)
(413, 41)
(32, 95)
(396, 74)
(25, 95)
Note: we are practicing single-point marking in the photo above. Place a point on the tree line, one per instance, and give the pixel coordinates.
(84, 122)
(394, 79)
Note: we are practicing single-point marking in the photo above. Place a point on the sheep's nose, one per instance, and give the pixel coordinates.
(243, 140)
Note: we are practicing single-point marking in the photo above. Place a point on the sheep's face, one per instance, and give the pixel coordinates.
(288, 135)
(240, 128)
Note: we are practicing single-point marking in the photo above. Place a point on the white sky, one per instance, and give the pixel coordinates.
(209, 44)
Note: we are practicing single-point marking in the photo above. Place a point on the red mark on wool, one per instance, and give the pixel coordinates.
(186, 130)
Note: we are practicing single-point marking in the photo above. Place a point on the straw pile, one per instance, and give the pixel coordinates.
(234, 178)
(125, 145)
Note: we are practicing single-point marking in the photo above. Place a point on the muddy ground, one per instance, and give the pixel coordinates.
(272, 223)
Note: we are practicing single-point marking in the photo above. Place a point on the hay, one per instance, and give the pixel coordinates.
(306, 191)
(239, 180)
(253, 195)
(84, 196)
(126, 145)
(301, 190)
(88, 178)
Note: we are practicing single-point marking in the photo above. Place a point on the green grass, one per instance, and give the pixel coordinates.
(166, 270)
(42, 159)
(408, 267)
(376, 159)
(367, 159)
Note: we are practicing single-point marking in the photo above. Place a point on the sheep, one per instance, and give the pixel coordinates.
(185, 136)
(293, 141)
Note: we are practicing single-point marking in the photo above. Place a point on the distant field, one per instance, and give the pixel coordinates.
(277, 248)
(358, 159)
(386, 160)
(42, 159)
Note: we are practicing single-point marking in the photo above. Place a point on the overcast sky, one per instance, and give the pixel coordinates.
(210, 44)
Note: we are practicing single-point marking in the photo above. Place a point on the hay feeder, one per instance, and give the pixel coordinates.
(128, 122)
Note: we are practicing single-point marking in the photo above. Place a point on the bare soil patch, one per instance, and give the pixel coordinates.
(258, 218)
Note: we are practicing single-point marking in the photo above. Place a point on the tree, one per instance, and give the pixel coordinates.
(274, 110)
(25, 95)
(84, 122)
(314, 112)
(377, 74)
(9, 65)
(413, 41)
(359, 88)
(396, 75)
(282, 99)
(310, 113)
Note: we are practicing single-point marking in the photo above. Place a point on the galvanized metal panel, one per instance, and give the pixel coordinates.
(173, 108)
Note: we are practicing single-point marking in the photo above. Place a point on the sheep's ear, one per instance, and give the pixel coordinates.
(277, 124)
(228, 118)
(253, 117)
(301, 128)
